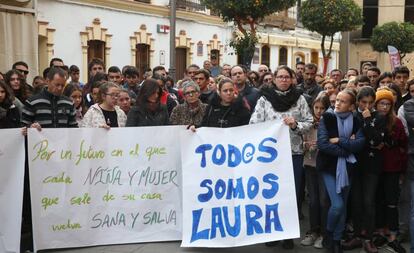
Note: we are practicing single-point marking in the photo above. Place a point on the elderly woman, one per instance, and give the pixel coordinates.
(191, 112)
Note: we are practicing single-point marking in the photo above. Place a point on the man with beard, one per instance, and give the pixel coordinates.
(310, 87)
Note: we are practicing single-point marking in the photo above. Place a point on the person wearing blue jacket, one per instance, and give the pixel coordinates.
(340, 137)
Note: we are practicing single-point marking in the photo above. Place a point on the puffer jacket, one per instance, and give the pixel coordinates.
(94, 117)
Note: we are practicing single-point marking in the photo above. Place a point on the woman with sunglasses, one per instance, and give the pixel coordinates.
(191, 112)
(266, 80)
(105, 113)
(148, 110)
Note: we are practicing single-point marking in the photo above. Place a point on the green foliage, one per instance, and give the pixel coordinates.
(328, 17)
(230, 10)
(399, 35)
(246, 12)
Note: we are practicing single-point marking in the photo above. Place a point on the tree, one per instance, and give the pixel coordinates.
(246, 14)
(399, 35)
(327, 17)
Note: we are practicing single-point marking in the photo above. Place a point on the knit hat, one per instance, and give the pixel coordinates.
(384, 94)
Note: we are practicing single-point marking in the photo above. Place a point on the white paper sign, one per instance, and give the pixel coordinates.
(238, 186)
(97, 187)
(11, 188)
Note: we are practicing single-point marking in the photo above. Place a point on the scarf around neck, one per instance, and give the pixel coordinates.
(281, 100)
(345, 122)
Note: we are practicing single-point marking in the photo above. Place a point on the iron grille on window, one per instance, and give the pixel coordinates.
(193, 5)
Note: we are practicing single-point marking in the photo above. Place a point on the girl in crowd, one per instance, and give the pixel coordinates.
(283, 101)
(124, 101)
(266, 80)
(385, 79)
(319, 204)
(226, 109)
(394, 153)
(191, 112)
(329, 86)
(9, 114)
(340, 137)
(105, 113)
(398, 99)
(148, 110)
(212, 85)
(15, 81)
(75, 93)
(365, 177)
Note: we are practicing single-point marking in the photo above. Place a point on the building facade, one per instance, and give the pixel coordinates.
(127, 32)
(355, 46)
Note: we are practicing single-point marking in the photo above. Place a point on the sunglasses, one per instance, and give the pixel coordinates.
(26, 72)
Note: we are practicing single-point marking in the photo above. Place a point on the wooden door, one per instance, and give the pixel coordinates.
(180, 62)
(142, 59)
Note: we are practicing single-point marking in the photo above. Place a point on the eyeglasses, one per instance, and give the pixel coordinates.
(384, 104)
(190, 93)
(283, 77)
(113, 95)
(267, 80)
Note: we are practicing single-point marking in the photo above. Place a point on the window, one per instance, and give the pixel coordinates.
(283, 55)
(409, 11)
(96, 49)
(266, 55)
(142, 59)
(315, 57)
(215, 53)
(370, 13)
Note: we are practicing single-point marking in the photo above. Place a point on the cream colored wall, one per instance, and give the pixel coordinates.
(390, 10)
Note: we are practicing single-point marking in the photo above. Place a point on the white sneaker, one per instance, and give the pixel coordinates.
(318, 243)
(308, 240)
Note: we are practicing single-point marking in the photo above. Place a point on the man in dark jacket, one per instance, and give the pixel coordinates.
(246, 91)
(310, 87)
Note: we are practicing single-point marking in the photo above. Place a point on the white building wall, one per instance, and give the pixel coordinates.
(69, 19)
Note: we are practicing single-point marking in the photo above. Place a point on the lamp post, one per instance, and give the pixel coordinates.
(171, 70)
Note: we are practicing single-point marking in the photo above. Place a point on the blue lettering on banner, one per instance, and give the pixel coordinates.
(234, 156)
(225, 222)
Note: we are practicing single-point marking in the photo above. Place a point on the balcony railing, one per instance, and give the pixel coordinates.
(191, 5)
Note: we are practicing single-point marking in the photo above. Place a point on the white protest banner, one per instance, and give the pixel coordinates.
(238, 186)
(96, 186)
(11, 188)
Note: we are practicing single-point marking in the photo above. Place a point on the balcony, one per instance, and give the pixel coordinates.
(191, 5)
(280, 20)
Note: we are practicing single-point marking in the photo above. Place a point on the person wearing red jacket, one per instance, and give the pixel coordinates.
(394, 153)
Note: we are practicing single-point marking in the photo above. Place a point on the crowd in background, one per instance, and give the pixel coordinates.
(351, 132)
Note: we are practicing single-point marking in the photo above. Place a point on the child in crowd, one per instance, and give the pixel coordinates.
(340, 138)
(394, 153)
(74, 92)
(319, 204)
(365, 177)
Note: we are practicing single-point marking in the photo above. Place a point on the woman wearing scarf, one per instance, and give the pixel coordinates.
(284, 102)
(340, 136)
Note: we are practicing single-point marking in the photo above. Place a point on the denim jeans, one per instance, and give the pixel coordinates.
(412, 215)
(298, 172)
(319, 202)
(337, 212)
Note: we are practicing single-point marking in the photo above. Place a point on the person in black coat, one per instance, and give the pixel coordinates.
(148, 110)
(226, 109)
(9, 113)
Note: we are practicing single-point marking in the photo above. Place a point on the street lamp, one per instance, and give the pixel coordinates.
(171, 70)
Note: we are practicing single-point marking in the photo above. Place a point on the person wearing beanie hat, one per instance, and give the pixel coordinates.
(384, 94)
(394, 153)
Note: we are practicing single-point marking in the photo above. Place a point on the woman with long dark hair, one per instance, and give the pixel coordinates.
(148, 110)
(9, 114)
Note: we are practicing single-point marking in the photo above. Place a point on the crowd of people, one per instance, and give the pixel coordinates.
(352, 134)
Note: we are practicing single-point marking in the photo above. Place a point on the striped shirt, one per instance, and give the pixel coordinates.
(49, 111)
